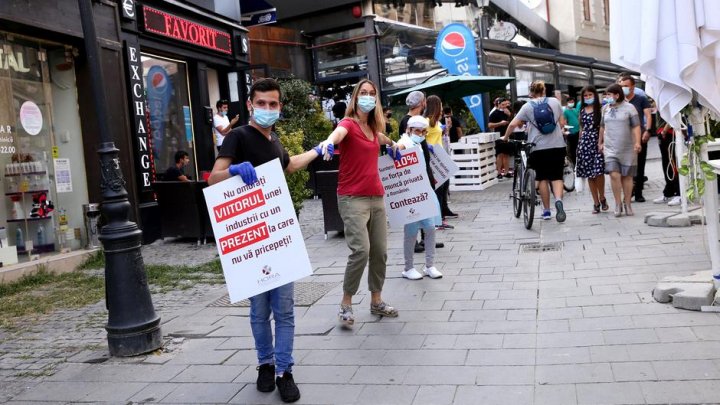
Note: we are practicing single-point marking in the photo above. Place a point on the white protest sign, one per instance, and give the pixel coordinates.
(442, 166)
(257, 232)
(408, 195)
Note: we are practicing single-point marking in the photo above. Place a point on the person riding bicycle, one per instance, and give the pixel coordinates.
(545, 119)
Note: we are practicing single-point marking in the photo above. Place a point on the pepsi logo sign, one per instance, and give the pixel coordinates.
(159, 81)
(453, 44)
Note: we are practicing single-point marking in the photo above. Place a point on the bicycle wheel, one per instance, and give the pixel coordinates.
(568, 176)
(516, 193)
(530, 197)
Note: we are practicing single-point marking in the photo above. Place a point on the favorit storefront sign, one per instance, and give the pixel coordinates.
(163, 23)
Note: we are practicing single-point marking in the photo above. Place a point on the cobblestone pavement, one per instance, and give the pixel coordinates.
(504, 325)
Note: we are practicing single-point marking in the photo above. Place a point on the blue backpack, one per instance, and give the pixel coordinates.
(544, 117)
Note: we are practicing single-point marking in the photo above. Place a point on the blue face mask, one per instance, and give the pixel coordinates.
(610, 100)
(590, 101)
(626, 91)
(366, 103)
(265, 118)
(223, 113)
(417, 138)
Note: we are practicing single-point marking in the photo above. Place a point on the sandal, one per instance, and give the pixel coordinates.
(383, 309)
(596, 209)
(618, 210)
(604, 204)
(346, 315)
(628, 210)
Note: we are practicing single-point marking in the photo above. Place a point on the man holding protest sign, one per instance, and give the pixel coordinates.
(242, 150)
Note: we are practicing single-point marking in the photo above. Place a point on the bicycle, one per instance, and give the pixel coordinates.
(524, 195)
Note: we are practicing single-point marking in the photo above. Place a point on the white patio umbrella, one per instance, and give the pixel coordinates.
(675, 45)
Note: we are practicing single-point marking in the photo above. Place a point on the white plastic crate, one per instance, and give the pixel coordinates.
(477, 165)
(483, 137)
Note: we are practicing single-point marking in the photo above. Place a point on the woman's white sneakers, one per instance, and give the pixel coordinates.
(432, 272)
(413, 274)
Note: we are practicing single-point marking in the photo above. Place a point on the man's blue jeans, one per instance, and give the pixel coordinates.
(278, 301)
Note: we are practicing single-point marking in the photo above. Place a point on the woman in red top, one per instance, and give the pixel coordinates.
(360, 197)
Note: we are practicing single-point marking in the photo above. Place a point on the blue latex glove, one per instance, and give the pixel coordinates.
(431, 149)
(330, 149)
(245, 170)
(394, 153)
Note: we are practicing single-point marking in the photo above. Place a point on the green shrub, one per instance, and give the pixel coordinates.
(293, 142)
(303, 126)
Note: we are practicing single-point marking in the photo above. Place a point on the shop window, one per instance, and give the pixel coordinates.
(603, 78)
(41, 150)
(527, 70)
(606, 11)
(407, 55)
(420, 14)
(340, 54)
(168, 102)
(587, 12)
(573, 78)
(497, 64)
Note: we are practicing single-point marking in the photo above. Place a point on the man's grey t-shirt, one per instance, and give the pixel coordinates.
(543, 141)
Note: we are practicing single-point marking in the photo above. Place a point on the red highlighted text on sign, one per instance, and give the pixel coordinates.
(244, 237)
(239, 205)
(407, 160)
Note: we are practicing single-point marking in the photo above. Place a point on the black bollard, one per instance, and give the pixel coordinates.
(133, 326)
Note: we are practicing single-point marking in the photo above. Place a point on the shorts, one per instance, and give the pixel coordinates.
(548, 163)
(503, 147)
(612, 164)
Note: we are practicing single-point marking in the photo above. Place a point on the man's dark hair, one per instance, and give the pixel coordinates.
(180, 155)
(221, 103)
(447, 110)
(622, 78)
(264, 85)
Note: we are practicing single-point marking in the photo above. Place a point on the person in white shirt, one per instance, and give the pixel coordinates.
(221, 124)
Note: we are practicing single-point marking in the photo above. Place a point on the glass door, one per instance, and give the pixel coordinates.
(168, 99)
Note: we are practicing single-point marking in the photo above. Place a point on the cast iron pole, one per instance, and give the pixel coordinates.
(133, 326)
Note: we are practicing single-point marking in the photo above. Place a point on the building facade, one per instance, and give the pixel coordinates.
(164, 64)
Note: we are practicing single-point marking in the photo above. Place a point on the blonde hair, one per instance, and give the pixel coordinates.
(537, 88)
(376, 118)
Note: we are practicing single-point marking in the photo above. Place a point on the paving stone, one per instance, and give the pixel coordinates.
(154, 392)
(206, 393)
(686, 392)
(435, 395)
(559, 394)
(494, 394)
(633, 371)
(610, 393)
(686, 370)
(388, 394)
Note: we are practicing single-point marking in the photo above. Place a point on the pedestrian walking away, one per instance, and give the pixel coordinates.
(619, 141)
(545, 119)
(360, 197)
(242, 150)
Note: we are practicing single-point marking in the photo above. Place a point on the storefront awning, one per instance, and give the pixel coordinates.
(257, 12)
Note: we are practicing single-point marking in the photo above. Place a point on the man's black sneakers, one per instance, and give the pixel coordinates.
(289, 392)
(266, 378)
